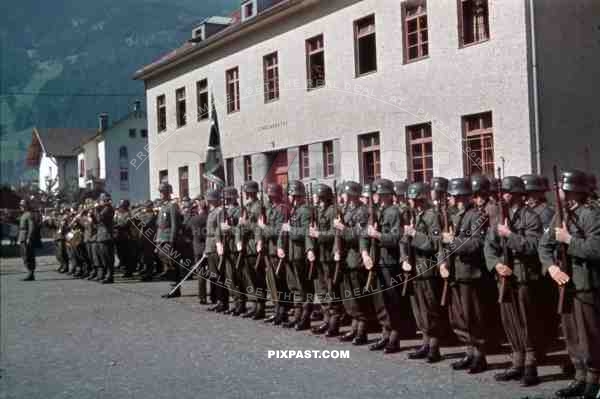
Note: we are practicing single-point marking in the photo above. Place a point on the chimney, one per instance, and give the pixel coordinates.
(137, 105)
(103, 121)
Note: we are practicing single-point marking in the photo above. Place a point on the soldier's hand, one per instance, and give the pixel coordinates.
(280, 253)
(339, 225)
(220, 250)
(285, 227)
(336, 256)
(373, 233)
(261, 222)
(310, 255)
(313, 232)
(259, 246)
(225, 226)
(407, 267)
(558, 275)
(503, 229)
(503, 270)
(447, 238)
(410, 230)
(444, 272)
(239, 246)
(367, 261)
(562, 234)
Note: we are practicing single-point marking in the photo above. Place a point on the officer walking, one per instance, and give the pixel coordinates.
(167, 225)
(146, 223)
(104, 217)
(29, 225)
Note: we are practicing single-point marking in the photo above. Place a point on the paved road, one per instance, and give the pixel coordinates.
(64, 338)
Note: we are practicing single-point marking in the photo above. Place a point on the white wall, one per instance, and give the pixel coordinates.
(101, 148)
(81, 173)
(452, 82)
(48, 171)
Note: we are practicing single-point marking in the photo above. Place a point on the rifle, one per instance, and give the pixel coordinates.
(312, 224)
(446, 229)
(284, 240)
(562, 248)
(337, 241)
(412, 256)
(372, 253)
(244, 215)
(502, 214)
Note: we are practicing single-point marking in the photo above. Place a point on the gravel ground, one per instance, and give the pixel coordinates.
(65, 338)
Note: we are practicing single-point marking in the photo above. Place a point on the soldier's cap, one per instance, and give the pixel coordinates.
(323, 190)
(165, 187)
(124, 204)
(418, 190)
(296, 188)
(251, 187)
(513, 185)
(274, 189)
(340, 187)
(439, 184)
(352, 188)
(213, 195)
(24, 203)
(186, 198)
(400, 187)
(459, 186)
(230, 192)
(104, 197)
(384, 186)
(199, 197)
(367, 190)
(575, 181)
(148, 204)
(186, 204)
(535, 183)
(480, 184)
(494, 183)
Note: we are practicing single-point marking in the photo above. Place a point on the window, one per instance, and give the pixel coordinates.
(247, 168)
(232, 77)
(478, 144)
(248, 9)
(132, 133)
(181, 115)
(184, 187)
(202, 96)
(271, 77)
(369, 157)
(124, 179)
(416, 43)
(315, 62)
(420, 152)
(81, 168)
(229, 167)
(304, 162)
(161, 113)
(163, 176)
(473, 21)
(328, 159)
(123, 153)
(365, 48)
(144, 133)
(203, 181)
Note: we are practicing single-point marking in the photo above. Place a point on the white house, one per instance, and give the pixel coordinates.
(358, 89)
(107, 161)
(52, 152)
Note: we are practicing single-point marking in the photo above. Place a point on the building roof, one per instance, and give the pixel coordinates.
(61, 142)
(192, 48)
(218, 20)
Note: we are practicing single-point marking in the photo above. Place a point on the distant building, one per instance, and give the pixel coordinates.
(105, 159)
(358, 89)
(52, 152)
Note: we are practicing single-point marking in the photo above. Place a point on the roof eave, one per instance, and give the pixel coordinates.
(226, 36)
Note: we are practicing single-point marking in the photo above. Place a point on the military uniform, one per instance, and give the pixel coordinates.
(234, 273)
(358, 303)
(325, 288)
(581, 316)
(426, 284)
(28, 233)
(385, 254)
(146, 223)
(167, 223)
(520, 305)
(104, 217)
(124, 243)
(60, 243)
(301, 287)
(197, 225)
(219, 292)
(276, 215)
